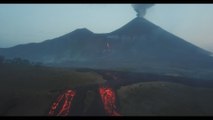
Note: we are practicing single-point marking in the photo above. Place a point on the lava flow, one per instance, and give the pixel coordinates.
(68, 97)
(108, 99)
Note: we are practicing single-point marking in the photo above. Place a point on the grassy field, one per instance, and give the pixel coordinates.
(27, 90)
(30, 90)
(165, 99)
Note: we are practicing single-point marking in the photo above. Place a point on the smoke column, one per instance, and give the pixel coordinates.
(141, 8)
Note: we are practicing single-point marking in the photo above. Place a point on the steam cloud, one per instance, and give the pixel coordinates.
(141, 8)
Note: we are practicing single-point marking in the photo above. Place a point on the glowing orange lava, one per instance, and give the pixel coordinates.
(108, 99)
(68, 97)
(61, 107)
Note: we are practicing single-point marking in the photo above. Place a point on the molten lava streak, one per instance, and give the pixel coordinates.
(68, 97)
(108, 99)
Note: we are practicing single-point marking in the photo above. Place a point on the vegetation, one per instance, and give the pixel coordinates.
(165, 99)
(25, 86)
(28, 89)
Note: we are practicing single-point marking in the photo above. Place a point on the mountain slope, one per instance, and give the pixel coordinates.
(137, 46)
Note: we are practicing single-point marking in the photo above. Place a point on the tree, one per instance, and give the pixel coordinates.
(20, 61)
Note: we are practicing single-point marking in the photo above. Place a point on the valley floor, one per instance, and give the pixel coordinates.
(21, 96)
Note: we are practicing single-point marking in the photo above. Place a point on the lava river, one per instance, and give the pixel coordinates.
(62, 106)
(108, 98)
(66, 98)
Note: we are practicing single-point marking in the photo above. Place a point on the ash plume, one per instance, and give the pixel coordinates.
(141, 9)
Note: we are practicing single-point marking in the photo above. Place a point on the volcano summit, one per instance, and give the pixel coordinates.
(138, 46)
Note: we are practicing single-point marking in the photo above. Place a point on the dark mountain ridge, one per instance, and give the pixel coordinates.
(139, 46)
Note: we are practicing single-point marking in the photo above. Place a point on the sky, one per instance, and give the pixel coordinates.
(26, 23)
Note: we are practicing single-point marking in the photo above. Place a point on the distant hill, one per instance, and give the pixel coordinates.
(139, 46)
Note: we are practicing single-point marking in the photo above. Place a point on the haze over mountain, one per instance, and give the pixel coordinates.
(139, 46)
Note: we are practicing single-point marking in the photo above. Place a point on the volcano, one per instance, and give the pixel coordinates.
(138, 46)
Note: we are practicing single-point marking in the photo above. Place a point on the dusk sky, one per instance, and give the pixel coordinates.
(25, 23)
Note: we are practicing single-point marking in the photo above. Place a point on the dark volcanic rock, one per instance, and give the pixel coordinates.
(139, 46)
